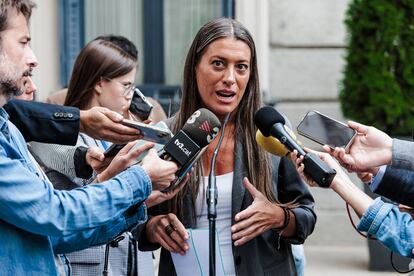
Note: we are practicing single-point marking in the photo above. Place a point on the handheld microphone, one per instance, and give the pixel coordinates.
(272, 145)
(187, 145)
(271, 123)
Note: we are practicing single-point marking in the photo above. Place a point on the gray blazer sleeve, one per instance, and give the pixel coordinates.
(397, 185)
(402, 154)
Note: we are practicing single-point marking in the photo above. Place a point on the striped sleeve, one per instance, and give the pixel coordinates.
(56, 157)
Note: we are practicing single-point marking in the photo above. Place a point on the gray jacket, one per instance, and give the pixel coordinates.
(402, 154)
(267, 254)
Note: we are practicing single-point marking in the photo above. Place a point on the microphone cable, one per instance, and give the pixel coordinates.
(353, 224)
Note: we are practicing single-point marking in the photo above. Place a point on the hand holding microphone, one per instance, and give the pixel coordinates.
(186, 147)
(271, 122)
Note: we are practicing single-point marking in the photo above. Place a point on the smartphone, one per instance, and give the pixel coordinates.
(140, 106)
(325, 130)
(158, 147)
(152, 133)
(113, 150)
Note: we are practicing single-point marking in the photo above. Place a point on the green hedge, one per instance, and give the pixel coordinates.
(378, 84)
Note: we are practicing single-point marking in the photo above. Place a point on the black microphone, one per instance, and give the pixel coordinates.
(187, 145)
(271, 122)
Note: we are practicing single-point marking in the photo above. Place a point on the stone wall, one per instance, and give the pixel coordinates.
(307, 40)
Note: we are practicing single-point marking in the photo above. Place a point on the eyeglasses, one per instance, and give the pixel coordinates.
(128, 88)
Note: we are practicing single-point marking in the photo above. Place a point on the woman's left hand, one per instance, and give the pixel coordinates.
(260, 216)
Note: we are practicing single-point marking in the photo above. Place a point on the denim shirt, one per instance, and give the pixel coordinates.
(391, 227)
(36, 220)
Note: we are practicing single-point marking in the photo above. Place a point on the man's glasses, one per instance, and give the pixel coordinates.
(128, 88)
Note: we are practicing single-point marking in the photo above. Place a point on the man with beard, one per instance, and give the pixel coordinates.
(35, 220)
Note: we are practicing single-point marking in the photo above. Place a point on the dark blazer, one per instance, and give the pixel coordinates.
(262, 255)
(45, 123)
(397, 185)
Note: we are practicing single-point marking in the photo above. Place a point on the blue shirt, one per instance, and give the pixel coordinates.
(391, 227)
(377, 178)
(36, 220)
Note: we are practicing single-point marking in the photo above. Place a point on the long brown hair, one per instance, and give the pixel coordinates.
(257, 160)
(99, 59)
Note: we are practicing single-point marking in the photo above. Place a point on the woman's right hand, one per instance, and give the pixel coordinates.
(169, 232)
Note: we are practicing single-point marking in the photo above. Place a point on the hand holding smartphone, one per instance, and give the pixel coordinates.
(151, 133)
(159, 127)
(325, 130)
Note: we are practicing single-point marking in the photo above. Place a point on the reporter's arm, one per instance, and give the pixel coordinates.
(103, 124)
(390, 226)
(60, 158)
(402, 154)
(31, 204)
(397, 185)
(46, 123)
(79, 240)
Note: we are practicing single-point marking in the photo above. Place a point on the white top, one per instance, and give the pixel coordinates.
(223, 220)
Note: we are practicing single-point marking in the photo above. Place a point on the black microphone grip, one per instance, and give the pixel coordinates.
(318, 170)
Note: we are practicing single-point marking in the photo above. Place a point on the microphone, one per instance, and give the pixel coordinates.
(187, 145)
(271, 123)
(272, 145)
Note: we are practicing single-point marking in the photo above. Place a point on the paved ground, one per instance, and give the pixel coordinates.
(339, 261)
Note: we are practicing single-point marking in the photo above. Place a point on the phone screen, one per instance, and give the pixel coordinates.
(324, 130)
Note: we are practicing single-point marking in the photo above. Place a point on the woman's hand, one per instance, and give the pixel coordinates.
(157, 197)
(169, 232)
(124, 159)
(260, 216)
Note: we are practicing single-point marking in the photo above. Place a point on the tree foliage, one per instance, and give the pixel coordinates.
(378, 84)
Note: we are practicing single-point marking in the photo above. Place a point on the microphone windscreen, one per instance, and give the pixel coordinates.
(202, 127)
(266, 117)
(271, 144)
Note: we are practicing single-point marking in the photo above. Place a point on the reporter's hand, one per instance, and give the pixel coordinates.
(325, 157)
(104, 124)
(370, 148)
(124, 159)
(260, 216)
(161, 172)
(156, 197)
(96, 159)
(156, 233)
(365, 177)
